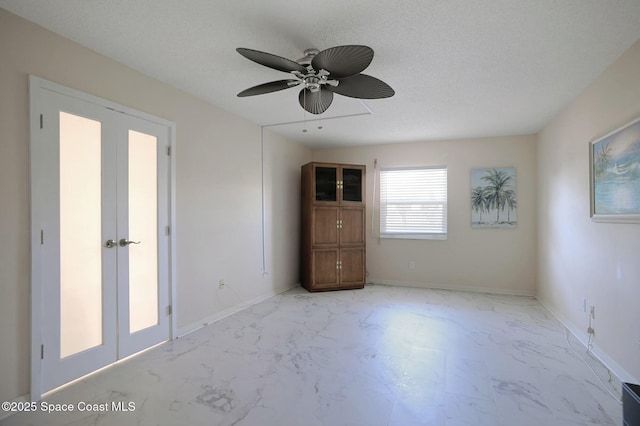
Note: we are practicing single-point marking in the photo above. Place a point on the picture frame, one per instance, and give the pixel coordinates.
(494, 198)
(614, 175)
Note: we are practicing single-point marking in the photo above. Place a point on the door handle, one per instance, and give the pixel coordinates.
(110, 243)
(124, 242)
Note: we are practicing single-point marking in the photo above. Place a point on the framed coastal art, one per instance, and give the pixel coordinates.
(494, 198)
(614, 161)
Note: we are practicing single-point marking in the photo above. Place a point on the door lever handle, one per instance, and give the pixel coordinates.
(124, 242)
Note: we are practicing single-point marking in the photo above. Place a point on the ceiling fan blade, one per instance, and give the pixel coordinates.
(363, 86)
(343, 61)
(272, 61)
(315, 102)
(272, 86)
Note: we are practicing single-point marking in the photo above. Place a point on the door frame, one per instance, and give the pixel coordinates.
(38, 165)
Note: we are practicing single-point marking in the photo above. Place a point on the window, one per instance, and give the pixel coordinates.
(413, 203)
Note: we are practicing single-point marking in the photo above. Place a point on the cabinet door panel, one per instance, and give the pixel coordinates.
(324, 268)
(352, 269)
(352, 226)
(325, 226)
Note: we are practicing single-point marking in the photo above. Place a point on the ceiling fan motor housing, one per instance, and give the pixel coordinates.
(312, 83)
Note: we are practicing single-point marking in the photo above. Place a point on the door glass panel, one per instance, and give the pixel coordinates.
(143, 227)
(352, 188)
(80, 234)
(326, 187)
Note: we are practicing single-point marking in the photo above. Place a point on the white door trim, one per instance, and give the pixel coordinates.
(38, 164)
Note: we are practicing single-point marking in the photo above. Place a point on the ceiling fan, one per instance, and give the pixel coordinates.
(321, 74)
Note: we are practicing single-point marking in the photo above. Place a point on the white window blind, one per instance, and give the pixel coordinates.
(413, 203)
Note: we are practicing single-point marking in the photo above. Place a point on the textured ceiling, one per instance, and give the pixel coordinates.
(460, 68)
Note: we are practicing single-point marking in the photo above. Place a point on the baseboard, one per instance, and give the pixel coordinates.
(489, 290)
(20, 399)
(582, 336)
(190, 328)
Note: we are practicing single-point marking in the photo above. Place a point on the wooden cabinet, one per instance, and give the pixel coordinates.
(333, 226)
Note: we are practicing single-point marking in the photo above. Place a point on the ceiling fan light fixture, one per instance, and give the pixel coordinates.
(312, 83)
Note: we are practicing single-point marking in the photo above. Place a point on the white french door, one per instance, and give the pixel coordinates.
(104, 248)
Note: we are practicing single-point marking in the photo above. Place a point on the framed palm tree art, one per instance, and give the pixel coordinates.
(614, 166)
(494, 198)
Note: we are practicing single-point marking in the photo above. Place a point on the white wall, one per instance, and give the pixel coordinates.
(282, 208)
(579, 258)
(496, 260)
(218, 178)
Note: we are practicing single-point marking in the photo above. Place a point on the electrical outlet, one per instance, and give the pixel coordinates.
(220, 283)
(584, 305)
(412, 264)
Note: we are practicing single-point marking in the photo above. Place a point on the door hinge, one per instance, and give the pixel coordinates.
(169, 151)
(41, 121)
(167, 230)
(41, 236)
(169, 310)
(41, 351)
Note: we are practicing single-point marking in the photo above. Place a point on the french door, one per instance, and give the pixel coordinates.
(104, 236)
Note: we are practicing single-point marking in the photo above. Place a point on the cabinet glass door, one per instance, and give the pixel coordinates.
(326, 183)
(352, 185)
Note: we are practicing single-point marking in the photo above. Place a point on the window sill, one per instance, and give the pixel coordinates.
(415, 236)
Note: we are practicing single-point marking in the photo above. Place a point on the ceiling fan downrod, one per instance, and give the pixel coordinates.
(309, 54)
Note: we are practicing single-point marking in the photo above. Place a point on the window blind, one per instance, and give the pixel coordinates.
(413, 203)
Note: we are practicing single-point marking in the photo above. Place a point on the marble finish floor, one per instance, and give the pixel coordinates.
(382, 355)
